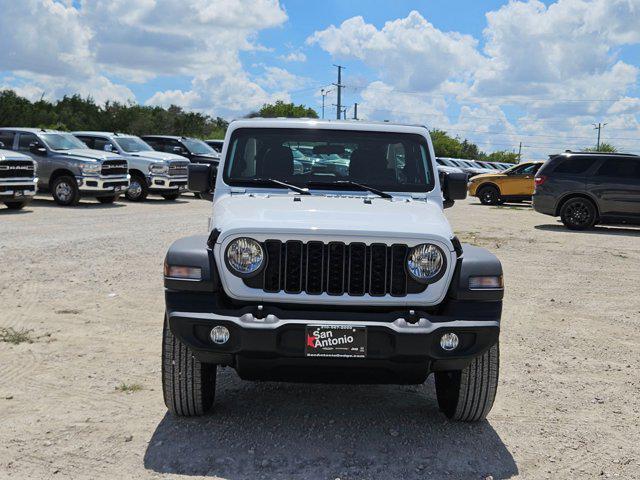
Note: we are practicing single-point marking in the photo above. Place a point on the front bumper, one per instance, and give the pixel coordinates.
(167, 183)
(266, 341)
(18, 188)
(103, 185)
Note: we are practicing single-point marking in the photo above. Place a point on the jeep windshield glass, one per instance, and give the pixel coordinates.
(62, 141)
(323, 159)
(198, 147)
(132, 144)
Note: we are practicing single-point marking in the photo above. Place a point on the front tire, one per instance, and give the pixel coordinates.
(578, 214)
(16, 205)
(188, 385)
(138, 189)
(65, 191)
(467, 395)
(489, 195)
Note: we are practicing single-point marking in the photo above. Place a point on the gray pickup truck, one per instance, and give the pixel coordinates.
(67, 167)
(152, 172)
(17, 179)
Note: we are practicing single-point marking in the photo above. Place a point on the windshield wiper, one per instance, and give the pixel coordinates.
(273, 181)
(350, 183)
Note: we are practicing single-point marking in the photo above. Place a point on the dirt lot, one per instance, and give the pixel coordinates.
(83, 400)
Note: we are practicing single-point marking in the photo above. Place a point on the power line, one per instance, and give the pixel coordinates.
(598, 127)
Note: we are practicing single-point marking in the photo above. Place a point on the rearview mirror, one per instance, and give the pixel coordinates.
(454, 187)
(201, 178)
(37, 149)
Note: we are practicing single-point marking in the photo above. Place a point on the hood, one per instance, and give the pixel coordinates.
(207, 158)
(488, 175)
(11, 155)
(89, 154)
(157, 156)
(319, 214)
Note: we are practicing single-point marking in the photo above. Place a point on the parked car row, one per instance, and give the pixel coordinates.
(103, 165)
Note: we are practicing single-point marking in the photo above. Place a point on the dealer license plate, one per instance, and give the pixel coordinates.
(336, 341)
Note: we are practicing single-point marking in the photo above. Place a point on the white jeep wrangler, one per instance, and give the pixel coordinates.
(339, 267)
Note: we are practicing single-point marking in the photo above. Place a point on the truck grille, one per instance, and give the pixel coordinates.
(178, 169)
(114, 167)
(335, 268)
(16, 169)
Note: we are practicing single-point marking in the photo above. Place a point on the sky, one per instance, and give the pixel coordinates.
(499, 73)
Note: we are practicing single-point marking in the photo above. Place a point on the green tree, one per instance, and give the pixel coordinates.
(281, 109)
(604, 147)
(503, 156)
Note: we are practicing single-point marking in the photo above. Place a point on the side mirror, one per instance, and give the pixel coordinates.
(201, 178)
(454, 187)
(37, 149)
(179, 150)
(108, 147)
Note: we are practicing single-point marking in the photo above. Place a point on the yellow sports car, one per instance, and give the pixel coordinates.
(514, 184)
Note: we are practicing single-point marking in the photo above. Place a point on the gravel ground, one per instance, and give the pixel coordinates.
(83, 400)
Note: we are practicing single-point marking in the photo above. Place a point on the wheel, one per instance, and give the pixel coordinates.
(138, 188)
(467, 395)
(188, 385)
(489, 195)
(109, 199)
(197, 195)
(65, 191)
(170, 196)
(578, 213)
(16, 205)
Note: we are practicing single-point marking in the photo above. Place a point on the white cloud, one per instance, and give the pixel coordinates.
(552, 68)
(294, 57)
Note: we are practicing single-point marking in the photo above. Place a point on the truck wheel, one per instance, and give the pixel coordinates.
(15, 205)
(65, 191)
(138, 189)
(578, 214)
(109, 199)
(489, 196)
(187, 384)
(170, 196)
(467, 395)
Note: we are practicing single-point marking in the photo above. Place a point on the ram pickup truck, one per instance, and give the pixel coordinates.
(319, 276)
(67, 167)
(17, 179)
(152, 172)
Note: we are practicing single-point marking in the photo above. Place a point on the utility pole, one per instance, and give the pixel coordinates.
(339, 86)
(520, 153)
(598, 127)
(324, 93)
(355, 111)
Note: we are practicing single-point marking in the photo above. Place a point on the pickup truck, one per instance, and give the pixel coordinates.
(17, 179)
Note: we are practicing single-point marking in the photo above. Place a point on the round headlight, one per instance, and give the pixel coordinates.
(425, 262)
(245, 257)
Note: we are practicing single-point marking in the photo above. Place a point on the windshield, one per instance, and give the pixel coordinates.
(392, 162)
(132, 144)
(62, 141)
(197, 147)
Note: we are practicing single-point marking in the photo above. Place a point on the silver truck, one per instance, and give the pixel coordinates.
(67, 167)
(17, 179)
(151, 172)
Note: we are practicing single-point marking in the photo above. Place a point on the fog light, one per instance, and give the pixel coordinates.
(219, 334)
(449, 341)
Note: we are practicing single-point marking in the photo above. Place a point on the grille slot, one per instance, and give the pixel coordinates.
(114, 167)
(178, 169)
(336, 268)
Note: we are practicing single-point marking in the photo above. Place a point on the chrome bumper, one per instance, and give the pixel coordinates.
(102, 184)
(18, 187)
(163, 182)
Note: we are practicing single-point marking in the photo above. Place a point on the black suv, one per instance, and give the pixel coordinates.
(194, 149)
(585, 188)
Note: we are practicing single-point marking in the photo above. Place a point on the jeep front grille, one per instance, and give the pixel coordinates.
(16, 169)
(178, 169)
(114, 167)
(335, 268)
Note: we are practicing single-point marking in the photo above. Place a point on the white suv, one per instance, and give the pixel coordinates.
(331, 275)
